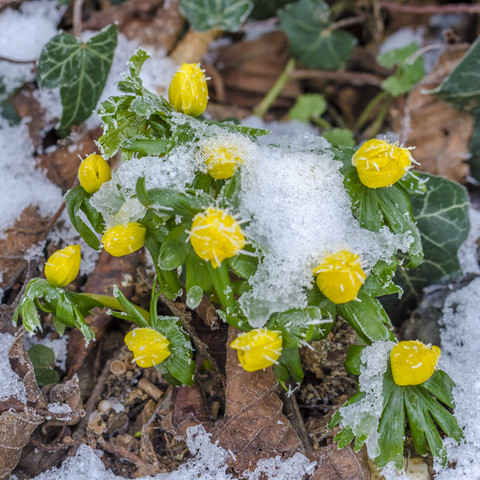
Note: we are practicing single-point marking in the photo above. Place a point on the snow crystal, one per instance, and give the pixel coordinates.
(363, 416)
(174, 170)
(402, 38)
(460, 359)
(468, 252)
(22, 183)
(59, 408)
(208, 463)
(10, 383)
(24, 33)
(299, 211)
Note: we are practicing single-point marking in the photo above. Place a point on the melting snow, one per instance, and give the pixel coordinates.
(10, 383)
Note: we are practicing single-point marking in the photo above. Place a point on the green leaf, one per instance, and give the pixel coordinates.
(130, 308)
(409, 72)
(263, 9)
(354, 359)
(41, 356)
(179, 364)
(367, 317)
(226, 15)
(340, 137)
(79, 69)
(310, 106)
(197, 273)
(443, 221)
(148, 146)
(194, 297)
(313, 44)
(461, 86)
(243, 265)
(46, 376)
(234, 127)
(474, 161)
(171, 202)
(174, 249)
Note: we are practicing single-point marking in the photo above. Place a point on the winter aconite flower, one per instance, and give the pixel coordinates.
(188, 91)
(93, 172)
(222, 157)
(381, 164)
(63, 266)
(216, 235)
(148, 346)
(340, 276)
(124, 239)
(413, 362)
(258, 348)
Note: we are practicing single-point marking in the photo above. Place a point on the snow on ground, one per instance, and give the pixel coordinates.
(208, 463)
(10, 383)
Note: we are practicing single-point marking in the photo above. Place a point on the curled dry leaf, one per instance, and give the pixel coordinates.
(254, 426)
(18, 421)
(440, 134)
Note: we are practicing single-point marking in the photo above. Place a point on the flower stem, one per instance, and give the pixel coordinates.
(262, 108)
(112, 302)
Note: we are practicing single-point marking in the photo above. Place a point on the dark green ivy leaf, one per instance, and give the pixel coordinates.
(306, 24)
(79, 69)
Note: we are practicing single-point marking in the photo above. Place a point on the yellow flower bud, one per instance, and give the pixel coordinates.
(221, 157)
(93, 172)
(148, 346)
(63, 266)
(258, 348)
(381, 164)
(124, 239)
(413, 362)
(216, 235)
(188, 91)
(340, 276)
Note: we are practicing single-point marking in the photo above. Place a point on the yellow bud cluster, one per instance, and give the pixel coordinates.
(221, 157)
(413, 362)
(63, 266)
(340, 276)
(124, 239)
(188, 92)
(148, 346)
(216, 235)
(381, 164)
(93, 172)
(258, 348)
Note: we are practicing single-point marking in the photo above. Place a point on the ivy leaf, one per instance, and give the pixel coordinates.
(460, 88)
(409, 71)
(263, 9)
(226, 15)
(443, 222)
(313, 44)
(310, 106)
(79, 69)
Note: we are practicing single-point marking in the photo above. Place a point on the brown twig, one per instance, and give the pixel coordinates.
(77, 17)
(354, 78)
(14, 60)
(345, 22)
(430, 9)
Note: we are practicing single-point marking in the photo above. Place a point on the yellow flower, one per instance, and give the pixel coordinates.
(63, 266)
(340, 276)
(148, 346)
(381, 164)
(222, 158)
(413, 362)
(188, 91)
(124, 239)
(93, 172)
(258, 348)
(216, 235)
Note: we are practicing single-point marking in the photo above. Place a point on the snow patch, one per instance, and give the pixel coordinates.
(10, 383)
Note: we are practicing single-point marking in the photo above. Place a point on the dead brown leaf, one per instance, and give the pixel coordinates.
(439, 133)
(254, 426)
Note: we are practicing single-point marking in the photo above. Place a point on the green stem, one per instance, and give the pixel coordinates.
(262, 108)
(368, 110)
(377, 124)
(322, 123)
(112, 302)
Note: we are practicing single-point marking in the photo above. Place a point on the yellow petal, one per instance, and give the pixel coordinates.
(381, 164)
(188, 91)
(222, 157)
(216, 235)
(413, 362)
(148, 346)
(258, 349)
(93, 172)
(63, 266)
(340, 276)
(124, 239)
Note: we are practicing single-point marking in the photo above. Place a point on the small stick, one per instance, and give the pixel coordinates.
(430, 9)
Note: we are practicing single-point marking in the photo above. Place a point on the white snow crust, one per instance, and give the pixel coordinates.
(10, 383)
